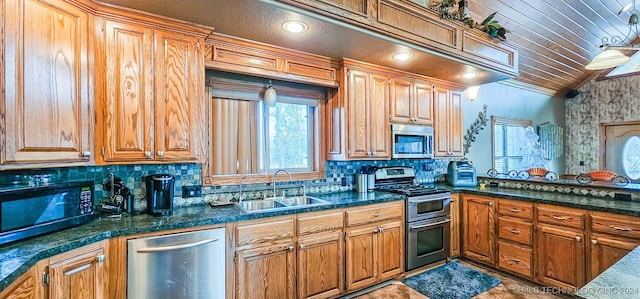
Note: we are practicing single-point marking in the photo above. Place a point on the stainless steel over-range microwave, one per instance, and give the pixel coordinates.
(411, 141)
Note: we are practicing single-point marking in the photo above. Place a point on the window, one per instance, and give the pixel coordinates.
(248, 137)
(506, 148)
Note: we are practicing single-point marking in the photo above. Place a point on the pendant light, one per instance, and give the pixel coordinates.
(611, 56)
(270, 96)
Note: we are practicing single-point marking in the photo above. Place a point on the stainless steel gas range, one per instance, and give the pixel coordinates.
(427, 216)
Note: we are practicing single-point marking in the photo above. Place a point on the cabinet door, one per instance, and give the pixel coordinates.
(128, 94)
(441, 122)
(358, 107)
(179, 85)
(560, 257)
(479, 228)
(380, 131)
(455, 225)
(48, 108)
(266, 272)
(423, 103)
(320, 265)
(455, 124)
(25, 287)
(82, 276)
(401, 102)
(360, 256)
(606, 251)
(390, 250)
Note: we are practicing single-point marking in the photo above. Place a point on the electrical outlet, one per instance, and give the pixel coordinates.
(344, 181)
(581, 163)
(191, 191)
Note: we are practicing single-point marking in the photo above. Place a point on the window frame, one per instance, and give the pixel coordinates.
(495, 120)
(253, 90)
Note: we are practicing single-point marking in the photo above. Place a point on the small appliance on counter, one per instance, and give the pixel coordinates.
(462, 174)
(160, 194)
(27, 211)
(120, 197)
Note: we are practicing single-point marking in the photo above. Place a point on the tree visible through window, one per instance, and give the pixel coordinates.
(506, 149)
(289, 144)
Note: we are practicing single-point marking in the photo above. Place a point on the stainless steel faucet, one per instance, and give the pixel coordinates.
(241, 180)
(274, 179)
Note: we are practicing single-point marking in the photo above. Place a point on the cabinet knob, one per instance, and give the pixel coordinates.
(301, 246)
(594, 242)
(491, 203)
(578, 238)
(374, 153)
(101, 258)
(375, 231)
(291, 248)
(147, 154)
(381, 230)
(86, 154)
(160, 154)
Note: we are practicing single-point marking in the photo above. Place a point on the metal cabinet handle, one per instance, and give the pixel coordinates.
(381, 230)
(491, 203)
(147, 154)
(624, 229)
(375, 231)
(578, 238)
(514, 210)
(514, 259)
(302, 246)
(558, 218)
(376, 214)
(86, 154)
(160, 154)
(76, 270)
(101, 258)
(515, 231)
(594, 242)
(176, 246)
(291, 248)
(375, 153)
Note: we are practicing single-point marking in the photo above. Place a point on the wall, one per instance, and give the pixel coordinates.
(510, 102)
(615, 100)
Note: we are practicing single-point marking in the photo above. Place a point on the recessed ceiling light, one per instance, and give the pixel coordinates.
(469, 75)
(295, 26)
(402, 56)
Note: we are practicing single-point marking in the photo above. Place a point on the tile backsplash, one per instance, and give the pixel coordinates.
(427, 171)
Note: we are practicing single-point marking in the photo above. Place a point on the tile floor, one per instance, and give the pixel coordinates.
(510, 288)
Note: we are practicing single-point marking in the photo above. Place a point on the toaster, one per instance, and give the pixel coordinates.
(462, 174)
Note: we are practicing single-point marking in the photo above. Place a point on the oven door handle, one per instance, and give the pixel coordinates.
(428, 200)
(430, 224)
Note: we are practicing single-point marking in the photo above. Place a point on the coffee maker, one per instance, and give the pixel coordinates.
(160, 194)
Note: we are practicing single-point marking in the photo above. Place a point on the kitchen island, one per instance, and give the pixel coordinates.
(619, 281)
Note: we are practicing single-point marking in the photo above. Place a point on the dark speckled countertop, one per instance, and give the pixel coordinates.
(18, 257)
(619, 281)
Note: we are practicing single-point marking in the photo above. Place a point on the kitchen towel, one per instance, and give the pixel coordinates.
(452, 281)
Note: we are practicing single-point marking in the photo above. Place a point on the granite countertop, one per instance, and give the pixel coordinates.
(610, 205)
(619, 281)
(18, 257)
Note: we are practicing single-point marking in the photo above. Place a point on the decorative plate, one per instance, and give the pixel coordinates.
(513, 174)
(551, 176)
(523, 175)
(537, 171)
(492, 173)
(583, 178)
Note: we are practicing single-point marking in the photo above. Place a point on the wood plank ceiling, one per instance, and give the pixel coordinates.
(555, 38)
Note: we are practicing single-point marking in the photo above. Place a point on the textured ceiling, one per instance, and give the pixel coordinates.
(555, 38)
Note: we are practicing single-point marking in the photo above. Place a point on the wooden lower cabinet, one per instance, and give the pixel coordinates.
(515, 258)
(606, 250)
(455, 225)
(560, 255)
(27, 286)
(80, 273)
(320, 266)
(266, 272)
(479, 228)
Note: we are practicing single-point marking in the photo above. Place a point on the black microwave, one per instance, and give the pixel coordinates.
(28, 211)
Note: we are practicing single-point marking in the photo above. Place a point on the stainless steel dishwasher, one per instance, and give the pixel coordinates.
(183, 265)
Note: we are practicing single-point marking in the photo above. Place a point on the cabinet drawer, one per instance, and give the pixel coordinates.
(514, 230)
(523, 210)
(264, 231)
(563, 217)
(615, 224)
(324, 221)
(515, 258)
(374, 213)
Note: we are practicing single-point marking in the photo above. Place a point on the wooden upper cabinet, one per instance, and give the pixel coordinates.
(127, 107)
(179, 85)
(47, 68)
(368, 126)
(411, 102)
(149, 84)
(448, 123)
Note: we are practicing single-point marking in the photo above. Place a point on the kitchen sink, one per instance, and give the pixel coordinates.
(279, 203)
(250, 206)
(301, 201)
